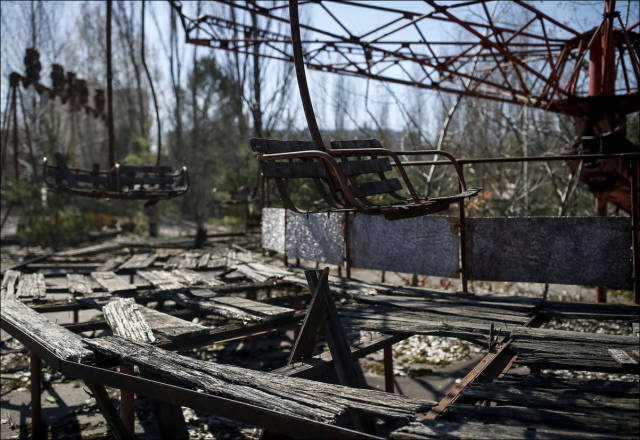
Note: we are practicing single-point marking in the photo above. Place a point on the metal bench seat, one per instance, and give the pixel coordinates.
(353, 172)
(121, 182)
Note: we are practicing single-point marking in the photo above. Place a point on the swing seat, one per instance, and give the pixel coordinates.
(354, 171)
(121, 182)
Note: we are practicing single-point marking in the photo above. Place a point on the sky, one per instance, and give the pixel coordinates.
(581, 15)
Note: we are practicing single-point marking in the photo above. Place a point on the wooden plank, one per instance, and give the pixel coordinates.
(545, 334)
(260, 272)
(126, 320)
(622, 357)
(265, 311)
(593, 251)
(112, 263)
(364, 166)
(170, 327)
(112, 282)
(63, 343)
(290, 170)
(425, 245)
(355, 143)
(90, 250)
(192, 278)
(32, 286)
(514, 393)
(162, 280)
(464, 429)
(315, 237)
(79, 284)
(9, 284)
(364, 189)
(349, 371)
(294, 396)
(139, 261)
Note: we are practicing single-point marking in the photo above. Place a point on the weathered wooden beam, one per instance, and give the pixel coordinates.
(112, 282)
(61, 342)
(126, 320)
(9, 283)
(79, 284)
(32, 286)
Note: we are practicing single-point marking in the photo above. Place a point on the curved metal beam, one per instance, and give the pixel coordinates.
(300, 74)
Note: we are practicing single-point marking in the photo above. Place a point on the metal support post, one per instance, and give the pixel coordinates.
(36, 409)
(389, 386)
(253, 341)
(127, 399)
(635, 227)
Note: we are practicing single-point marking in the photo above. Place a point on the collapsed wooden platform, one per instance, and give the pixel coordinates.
(247, 294)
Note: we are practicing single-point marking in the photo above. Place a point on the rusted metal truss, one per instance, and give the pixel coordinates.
(532, 60)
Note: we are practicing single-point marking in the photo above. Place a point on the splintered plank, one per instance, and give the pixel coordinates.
(561, 349)
(169, 326)
(112, 263)
(313, 400)
(127, 321)
(260, 272)
(139, 261)
(60, 341)
(192, 278)
(79, 284)
(229, 306)
(90, 250)
(186, 260)
(162, 280)
(112, 282)
(266, 312)
(32, 286)
(9, 283)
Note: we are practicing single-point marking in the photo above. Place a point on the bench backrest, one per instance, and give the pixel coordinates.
(366, 174)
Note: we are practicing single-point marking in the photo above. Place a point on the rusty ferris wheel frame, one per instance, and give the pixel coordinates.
(542, 63)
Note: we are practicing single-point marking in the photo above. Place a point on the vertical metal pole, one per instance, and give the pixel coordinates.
(463, 249)
(253, 342)
(298, 61)
(595, 67)
(110, 133)
(36, 409)
(635, 227)
(76, 316)
(601, 210)
(127, 403)
(14, 111)
(347, 244)
(389, 386)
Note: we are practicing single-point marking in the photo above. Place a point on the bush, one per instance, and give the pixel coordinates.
(54, 221)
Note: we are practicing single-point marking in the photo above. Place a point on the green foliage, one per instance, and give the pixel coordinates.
(56, 223)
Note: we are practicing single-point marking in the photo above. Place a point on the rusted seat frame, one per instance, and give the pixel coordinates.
(337, 180)
(118, 183)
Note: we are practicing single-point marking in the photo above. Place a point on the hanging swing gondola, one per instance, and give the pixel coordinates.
(119, 181)
(344, 166)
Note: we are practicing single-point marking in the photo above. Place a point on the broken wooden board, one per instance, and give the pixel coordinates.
(112, 263)
(232, 307)
(138, 261)
(260, 272)
(9, 283)
(61, 342)
(185, 260)
(125, 319)
(90, 250)
(162, 280)
(79, 284)
(532, 392)
(561, 349)
(112, 282)
(293, 396)
(32, 285)
(192, 278)
(170, 327)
